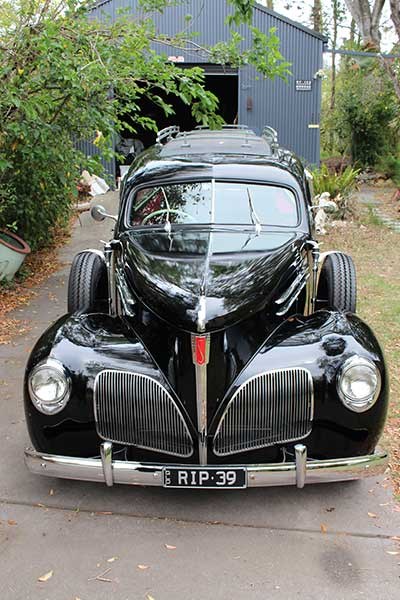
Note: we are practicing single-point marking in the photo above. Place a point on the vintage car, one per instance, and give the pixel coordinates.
(210, 344)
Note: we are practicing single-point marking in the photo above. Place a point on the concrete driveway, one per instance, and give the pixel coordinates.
(323, 542)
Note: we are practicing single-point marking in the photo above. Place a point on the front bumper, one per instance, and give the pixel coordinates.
(298, 473)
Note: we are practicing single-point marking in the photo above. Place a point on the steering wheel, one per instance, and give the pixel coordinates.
(166, 210)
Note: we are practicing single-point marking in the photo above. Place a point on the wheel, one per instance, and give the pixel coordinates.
(87, 284)
(337, 285)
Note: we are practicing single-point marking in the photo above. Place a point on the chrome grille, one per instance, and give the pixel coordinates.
(270, 408)
(137, 410)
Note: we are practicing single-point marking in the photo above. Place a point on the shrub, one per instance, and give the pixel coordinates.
(390, 166)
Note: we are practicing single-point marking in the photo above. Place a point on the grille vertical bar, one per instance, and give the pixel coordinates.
(270, 408)
(137, 410)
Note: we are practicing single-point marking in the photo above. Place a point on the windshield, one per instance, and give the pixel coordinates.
(222, 203)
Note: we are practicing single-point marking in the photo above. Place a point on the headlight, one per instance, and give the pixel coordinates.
(359, 384)
(49, 386)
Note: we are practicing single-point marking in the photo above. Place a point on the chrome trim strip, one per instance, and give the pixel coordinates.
(293, 298)
(288, 292)
(201, 395)
(135, 473)
(301, 464)
(202, 314)
(106, 461)
(126, 297)
(110, 261)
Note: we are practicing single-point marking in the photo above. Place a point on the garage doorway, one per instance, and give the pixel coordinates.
(223, 82)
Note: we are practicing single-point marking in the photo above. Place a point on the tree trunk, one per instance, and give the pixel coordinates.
(316, 15)
(335, 9)
(387, 62)
(270, 4)
(352, 31)
(367, 18)
(395, 15)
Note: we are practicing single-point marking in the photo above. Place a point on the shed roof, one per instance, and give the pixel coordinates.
(258, 7)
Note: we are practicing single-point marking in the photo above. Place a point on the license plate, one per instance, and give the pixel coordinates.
(206, 478)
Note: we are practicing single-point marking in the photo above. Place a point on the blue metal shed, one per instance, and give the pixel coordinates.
(292, 107)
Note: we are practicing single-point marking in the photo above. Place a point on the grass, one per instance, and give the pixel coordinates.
(376, 252)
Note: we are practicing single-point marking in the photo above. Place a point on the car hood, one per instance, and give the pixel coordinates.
(207, 280)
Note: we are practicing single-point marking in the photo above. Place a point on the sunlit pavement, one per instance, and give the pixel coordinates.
(92, 542)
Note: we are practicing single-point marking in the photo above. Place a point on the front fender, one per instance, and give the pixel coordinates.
(321, 343)
(85, 344)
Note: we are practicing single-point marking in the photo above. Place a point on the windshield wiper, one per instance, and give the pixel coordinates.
(254, 217)
(167, 225)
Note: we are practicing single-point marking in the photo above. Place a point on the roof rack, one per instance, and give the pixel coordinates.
(270, 134)
(226, 126)
(167, 133)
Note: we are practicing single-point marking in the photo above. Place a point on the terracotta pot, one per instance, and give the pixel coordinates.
(13, 251)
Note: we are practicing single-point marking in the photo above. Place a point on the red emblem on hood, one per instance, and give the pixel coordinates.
(200, 350)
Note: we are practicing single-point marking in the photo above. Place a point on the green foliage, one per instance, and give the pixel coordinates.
(338, 185)
(390, 166)
(361, 123)
(57, 70)
(335, 183)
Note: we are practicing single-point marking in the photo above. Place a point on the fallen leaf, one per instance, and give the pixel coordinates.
(323, 528)
(112, 559)
(392, 552)
(330, 509)
(51, 492)
(103, 512)
(168, 547)
(148, 597)
(100, 577)
(11, 522)
(396, 538)
(46, 576)
(385, 504)
(143, 567)
(372, 515)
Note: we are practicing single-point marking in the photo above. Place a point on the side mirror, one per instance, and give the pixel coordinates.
(99, 213)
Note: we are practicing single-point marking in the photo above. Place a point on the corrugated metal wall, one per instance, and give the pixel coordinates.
(90, 149)
(261, 102)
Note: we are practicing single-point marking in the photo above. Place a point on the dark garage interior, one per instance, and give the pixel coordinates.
(224, 85)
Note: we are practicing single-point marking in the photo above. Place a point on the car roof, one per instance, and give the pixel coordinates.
(227, 142)
(233, 152)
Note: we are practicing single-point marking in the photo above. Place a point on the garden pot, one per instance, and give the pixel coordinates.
(13, 251)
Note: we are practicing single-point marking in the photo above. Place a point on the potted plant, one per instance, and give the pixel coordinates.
(13, 251)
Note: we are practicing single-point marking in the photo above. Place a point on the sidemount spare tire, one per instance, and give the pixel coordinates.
(337, 283)
(87, 284)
